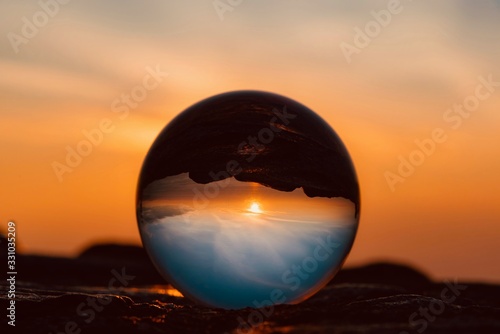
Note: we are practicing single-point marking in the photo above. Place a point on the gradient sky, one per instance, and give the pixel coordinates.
(66, 76)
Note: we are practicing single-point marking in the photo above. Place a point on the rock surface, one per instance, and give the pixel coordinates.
(378, 298)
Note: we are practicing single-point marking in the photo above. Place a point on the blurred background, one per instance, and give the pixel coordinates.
(68, 67)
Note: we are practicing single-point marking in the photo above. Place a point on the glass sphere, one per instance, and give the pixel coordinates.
(248, 199)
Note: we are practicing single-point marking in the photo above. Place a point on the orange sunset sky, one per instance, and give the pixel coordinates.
(61, 73)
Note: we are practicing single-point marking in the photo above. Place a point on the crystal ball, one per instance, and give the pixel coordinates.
(248, 199)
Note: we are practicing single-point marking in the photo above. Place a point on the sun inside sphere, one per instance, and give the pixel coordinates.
(255, 208)
(247, 199)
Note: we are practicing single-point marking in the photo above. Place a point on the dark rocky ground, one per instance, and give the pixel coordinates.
(62, 295)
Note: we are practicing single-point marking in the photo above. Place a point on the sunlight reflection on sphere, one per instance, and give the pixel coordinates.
(248, 198)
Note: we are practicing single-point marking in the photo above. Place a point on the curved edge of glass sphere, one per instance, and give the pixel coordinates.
(228, 119)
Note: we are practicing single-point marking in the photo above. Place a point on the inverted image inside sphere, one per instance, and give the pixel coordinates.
(248, 197)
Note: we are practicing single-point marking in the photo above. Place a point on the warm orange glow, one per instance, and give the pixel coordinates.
(160, 289)
(443, 218)
(255, 208)
(173, 292)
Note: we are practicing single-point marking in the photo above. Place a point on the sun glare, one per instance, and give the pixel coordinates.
(255, 208)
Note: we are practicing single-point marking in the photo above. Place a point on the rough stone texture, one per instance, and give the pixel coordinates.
(379, 298)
